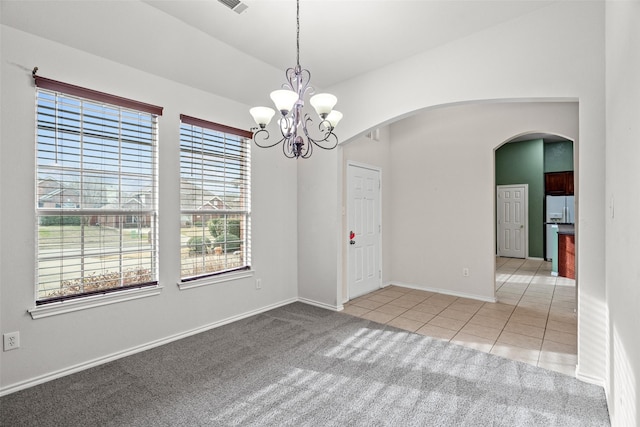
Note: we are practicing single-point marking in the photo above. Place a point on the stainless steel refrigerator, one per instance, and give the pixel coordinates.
(559, 210)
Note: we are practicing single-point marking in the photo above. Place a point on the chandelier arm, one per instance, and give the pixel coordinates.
(287, 151)
(290, 76)
(318, 143)
(264, 138)
(308, 151)
(287, 126)
(304, 77)
(325, 128)
(297, 80)
(326, 139)
(293, 148)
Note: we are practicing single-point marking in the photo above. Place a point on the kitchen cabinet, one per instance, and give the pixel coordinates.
(558, 183)
(566, 255)
(569, 184)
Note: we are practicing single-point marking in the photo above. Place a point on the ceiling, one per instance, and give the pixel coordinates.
(182, 39)
(341, 39)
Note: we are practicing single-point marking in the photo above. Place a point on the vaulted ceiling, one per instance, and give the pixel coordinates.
(186, 40)
(340, 39)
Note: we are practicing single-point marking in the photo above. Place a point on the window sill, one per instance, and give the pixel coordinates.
(70, 306)
(212, 280)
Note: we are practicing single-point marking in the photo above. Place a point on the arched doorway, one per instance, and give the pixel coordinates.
(543, 296)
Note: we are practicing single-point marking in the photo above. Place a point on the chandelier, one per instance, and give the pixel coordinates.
(289, 101)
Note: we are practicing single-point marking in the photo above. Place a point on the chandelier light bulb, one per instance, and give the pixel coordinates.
(284, 100)
(262, 115)
(333, 118)
(323, 103)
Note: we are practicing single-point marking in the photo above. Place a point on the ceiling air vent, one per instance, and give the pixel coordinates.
(236, 5)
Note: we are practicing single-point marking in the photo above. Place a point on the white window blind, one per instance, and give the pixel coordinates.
(214, 198)
(96, 192)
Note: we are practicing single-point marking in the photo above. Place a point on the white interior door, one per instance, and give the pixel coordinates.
(512, 210)
(363, 220)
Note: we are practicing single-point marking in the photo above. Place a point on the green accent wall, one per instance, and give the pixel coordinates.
(523, 163)
(558, 156)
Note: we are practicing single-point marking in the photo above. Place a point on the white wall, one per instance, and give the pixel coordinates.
(442, 188)
(319, 271)
(511, 61)
(56, 344)
(623, 235)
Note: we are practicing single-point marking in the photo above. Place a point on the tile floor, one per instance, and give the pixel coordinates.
(534, 320)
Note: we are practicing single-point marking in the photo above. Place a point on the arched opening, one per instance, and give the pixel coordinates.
(539, 279)
(439, 219)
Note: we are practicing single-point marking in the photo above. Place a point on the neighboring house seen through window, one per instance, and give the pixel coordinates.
(96, 192)
(214, 198)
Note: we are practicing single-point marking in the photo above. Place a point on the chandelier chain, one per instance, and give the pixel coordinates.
(298, 32)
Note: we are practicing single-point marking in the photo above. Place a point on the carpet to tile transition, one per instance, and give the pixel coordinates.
(300, 365)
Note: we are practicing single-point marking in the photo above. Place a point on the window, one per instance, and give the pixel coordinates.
(96, 192)
(214, 198)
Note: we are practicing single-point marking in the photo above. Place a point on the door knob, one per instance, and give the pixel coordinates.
(352, 235)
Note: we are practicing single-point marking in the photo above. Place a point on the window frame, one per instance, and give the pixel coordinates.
(191, 124)
(124, 106)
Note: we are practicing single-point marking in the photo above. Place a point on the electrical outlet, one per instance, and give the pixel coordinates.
(258, 283)
(465, 272)
(11, 340)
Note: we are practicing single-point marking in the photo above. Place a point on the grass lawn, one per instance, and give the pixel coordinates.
(70, 235)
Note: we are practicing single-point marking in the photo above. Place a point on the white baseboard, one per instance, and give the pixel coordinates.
(322, 304)
(590, 379)
(138, 349)
(442, 291)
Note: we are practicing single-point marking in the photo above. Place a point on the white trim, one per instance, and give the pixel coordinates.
(364, 165)
(589, 379)
(442, 291)
(133, 350)
(321, 304)
(608, 362)
(91, 301)
(212, 280)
